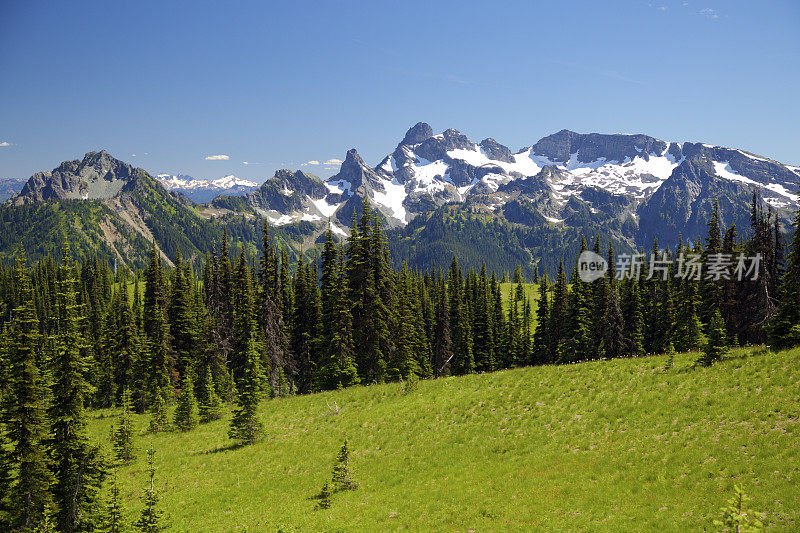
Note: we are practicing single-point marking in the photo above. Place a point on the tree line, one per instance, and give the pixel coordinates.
(79, 336)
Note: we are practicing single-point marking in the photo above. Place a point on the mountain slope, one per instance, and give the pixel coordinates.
(102, 204)
(614, 445)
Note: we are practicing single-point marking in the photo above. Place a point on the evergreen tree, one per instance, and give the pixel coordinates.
(157, 364)
(114, 518)
(558, 318)
(443, 345)
(245, 426)
(77, 466)
(151, 518)
(541, 336)
(210, 406)
(342, 476)
(716, 348)
(186, 413)
(463, 362)
(784, 329)
(123, 434)
(24, 415)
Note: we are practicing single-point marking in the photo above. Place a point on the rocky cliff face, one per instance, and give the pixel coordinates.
(98, 176)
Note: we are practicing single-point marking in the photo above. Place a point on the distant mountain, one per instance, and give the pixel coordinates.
(436, 194)
(9, 187)
(629, 188)
(203, 191)
(102, 205)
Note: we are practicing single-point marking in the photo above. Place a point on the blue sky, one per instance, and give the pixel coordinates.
(280, 84)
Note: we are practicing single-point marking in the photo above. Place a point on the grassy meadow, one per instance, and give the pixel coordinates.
(601, 446)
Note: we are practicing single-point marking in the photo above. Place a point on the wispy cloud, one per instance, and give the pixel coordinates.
(133, 155)
(5, 143)
(658, 7)
(218, 157)
(333, 161)
(312, 162)
(709, 13)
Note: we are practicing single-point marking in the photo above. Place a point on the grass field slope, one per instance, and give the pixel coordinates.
(621, 445)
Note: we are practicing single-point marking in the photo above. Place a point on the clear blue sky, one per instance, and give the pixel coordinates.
(282, 84)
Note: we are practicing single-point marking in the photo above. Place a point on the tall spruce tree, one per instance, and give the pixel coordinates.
(24, 414)
(784, 329)
(245, 425)
(78, 468)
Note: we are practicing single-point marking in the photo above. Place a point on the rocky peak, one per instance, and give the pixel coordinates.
(356, 172)
(496, 151)
(417, 133)
(97, 176)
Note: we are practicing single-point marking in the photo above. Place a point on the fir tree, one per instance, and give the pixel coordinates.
(784, 329)
(342, 478)
(157, 367)
(210, 406)
(541, 336)
(77, 466)
(245, 426)
(186, 413)
(123, 434)
(151, 518)
(159, 415)
(114, 518)
(716, 348)
(24, 415)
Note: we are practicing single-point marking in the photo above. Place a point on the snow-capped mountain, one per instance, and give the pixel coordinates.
(638, 186)
(204, 190)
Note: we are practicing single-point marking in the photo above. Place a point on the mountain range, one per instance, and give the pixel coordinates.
(438, 195)
(202, 190)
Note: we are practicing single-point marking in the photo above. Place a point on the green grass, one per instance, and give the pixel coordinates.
(616, 445)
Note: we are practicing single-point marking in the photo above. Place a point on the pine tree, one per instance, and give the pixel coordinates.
(186, 413)
(558, 319)
(784, 329)
(245, 426)
(157, 367)
(114, 518)
(123, 434)
(24, 415)
(77, 466)
(151, 518)
(159, 415)
(541, 336)
(443, 346)
(210, 406)
(463, 361)
(342, 478)
(716, 348)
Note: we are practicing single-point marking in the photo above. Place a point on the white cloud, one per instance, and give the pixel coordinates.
(313, 162)
(333, 162)
(133, 155)
(709, 13)
(5, 143)
(245, 163)
(218, 157)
